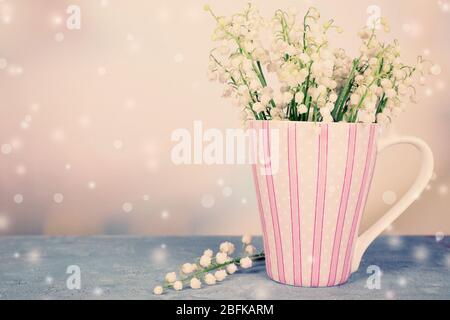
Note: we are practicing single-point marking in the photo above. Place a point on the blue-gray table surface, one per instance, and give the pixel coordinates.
(125, 267)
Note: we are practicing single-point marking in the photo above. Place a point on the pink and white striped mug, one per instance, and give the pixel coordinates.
(311, 204)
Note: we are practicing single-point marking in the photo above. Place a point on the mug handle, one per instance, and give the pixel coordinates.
(425, 173)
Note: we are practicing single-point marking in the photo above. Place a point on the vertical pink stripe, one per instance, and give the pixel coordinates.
(366, 191)
(320, 205)
(260, 206)
(273, 207)
(362, 190)
(295, 209)
(351, 145)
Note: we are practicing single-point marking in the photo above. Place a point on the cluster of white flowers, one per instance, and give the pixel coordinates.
(210, 268)
(315, 83)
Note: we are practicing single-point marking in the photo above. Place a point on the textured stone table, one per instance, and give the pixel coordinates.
(128, 268)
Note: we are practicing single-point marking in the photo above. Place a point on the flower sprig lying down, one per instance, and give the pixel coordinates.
(210, 268)
(314, 82)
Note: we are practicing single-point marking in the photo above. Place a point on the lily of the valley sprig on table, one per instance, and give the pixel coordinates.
(211, 268)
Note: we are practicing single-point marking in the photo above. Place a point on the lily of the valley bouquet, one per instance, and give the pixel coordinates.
(315, 83)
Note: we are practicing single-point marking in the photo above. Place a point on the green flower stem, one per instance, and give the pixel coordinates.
(260, 74)
(284, 26)
(307, 99)
(304, 29)
(381, 104)
(354, 116)
(338, 110)
(234, 82)
(308, 104)
(264, 82)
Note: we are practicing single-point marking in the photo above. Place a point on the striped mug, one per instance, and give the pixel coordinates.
(312, 182)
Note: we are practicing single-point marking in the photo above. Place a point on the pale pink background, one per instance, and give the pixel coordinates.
(135, 72)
